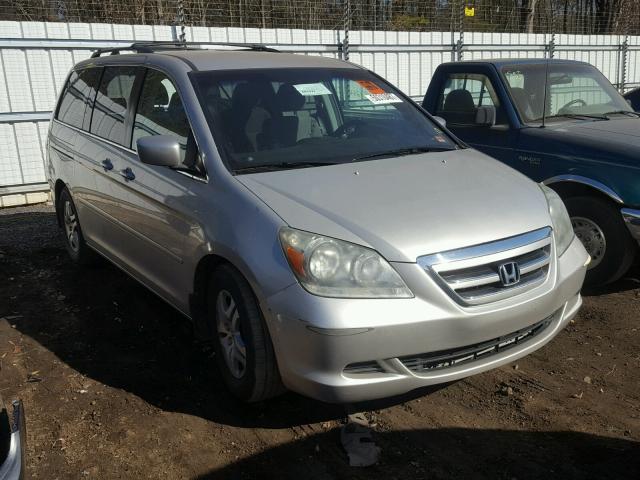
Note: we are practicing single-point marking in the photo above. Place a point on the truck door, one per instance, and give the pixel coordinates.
(460, 95)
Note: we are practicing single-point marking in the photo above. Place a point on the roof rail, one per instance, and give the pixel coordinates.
(151, 47)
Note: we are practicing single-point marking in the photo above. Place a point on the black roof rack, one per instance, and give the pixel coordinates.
(151, 47)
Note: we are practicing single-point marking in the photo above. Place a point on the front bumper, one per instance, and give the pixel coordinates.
(315, 338)
(632, 219)
(12, 467)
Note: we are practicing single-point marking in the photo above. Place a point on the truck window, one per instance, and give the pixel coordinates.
(462, 94)
(572, 89)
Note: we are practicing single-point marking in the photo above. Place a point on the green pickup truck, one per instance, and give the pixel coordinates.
(561, 123)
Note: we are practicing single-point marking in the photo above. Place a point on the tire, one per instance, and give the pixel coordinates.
(599, 225)
(5, 432)
(239, 327)
(69, 222)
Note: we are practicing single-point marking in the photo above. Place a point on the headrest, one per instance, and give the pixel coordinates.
(155, 93)
(288, 98)
(459, 101)
(244, 97)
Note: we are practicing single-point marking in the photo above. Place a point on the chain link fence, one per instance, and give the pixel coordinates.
(586, 17)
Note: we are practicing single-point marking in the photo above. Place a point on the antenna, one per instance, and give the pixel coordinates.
(546, 83)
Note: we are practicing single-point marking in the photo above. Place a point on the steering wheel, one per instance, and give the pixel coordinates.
(348, 129)
(568, 105)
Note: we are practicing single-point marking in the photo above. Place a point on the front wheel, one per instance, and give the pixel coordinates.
(243, 347)
(600, 227)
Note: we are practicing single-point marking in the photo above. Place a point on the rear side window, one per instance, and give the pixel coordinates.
(77, 100)
(112, 103)
(461, 96)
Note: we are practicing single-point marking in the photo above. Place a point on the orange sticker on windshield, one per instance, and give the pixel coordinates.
(370, 87)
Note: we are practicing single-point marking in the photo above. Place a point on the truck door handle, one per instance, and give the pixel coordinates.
(107, 165)
(127, 174)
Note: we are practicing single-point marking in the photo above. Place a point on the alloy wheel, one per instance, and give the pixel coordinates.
(70, 219)
(228, 324)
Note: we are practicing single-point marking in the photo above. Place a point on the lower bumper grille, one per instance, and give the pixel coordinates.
(452, 358)
(432, 361)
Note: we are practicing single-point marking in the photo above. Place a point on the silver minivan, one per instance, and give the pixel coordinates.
(323, 231)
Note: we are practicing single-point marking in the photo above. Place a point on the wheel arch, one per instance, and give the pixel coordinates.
(576, 185)
(198, 298)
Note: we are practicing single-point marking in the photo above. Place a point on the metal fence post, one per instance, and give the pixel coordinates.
(460, 43)
(625, 60)
(182, 36)
(551, 46)
(347, 25)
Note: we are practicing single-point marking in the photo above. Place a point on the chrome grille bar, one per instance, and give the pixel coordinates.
(470, 275)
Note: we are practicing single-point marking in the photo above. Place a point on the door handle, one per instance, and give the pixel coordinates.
(127, 174)
(107, 165)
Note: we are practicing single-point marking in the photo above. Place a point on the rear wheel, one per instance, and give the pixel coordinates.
(600, 227)
(244, 351)
(68, 219)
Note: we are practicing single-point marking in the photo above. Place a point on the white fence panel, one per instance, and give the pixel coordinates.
(35, 58)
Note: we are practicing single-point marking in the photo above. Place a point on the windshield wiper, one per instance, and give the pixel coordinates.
(577, 115)
(623, 112)
(400, 152)
(271, 167)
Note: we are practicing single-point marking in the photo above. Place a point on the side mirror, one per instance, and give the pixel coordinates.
(441, 121)
(486, 116)
(160, 150)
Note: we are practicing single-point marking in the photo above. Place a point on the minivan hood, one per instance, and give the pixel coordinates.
(408, 206)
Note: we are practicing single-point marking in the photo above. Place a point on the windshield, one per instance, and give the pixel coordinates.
(572, 90)
(301, 117)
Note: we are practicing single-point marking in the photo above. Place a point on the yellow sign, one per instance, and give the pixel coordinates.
(469, 11)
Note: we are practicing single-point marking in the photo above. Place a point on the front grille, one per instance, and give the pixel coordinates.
(431, 361)
(470, 275)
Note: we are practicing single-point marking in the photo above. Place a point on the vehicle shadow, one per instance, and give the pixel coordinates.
(446, 453)
(630, 281)
(109, 328)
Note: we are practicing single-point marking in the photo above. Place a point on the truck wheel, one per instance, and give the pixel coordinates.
(243, 347)
(600, 227)
(68, 220)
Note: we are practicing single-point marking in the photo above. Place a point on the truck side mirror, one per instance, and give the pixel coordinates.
(486, 116)
(441, 121)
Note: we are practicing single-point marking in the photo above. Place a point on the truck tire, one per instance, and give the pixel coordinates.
(244, 352)
(599, 225)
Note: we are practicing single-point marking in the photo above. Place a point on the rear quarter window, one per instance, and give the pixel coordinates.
(78, 96)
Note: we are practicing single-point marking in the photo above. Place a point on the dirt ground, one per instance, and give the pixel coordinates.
(114, 387)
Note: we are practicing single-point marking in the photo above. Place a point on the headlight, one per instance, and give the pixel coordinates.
(334, 268)
(562, 228)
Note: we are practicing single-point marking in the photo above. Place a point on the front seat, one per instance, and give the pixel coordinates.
(282, 129)
(459, 107)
